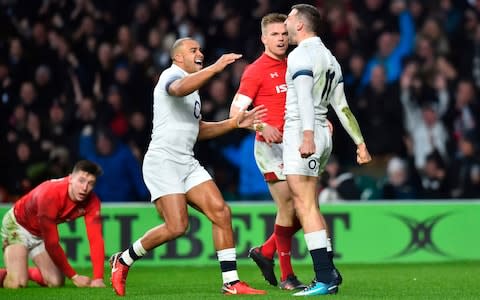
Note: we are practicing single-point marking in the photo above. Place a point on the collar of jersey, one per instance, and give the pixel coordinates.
(177, 67)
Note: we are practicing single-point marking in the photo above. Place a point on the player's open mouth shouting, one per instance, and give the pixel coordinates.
(199, 61)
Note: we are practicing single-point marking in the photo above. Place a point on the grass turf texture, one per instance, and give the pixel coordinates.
(388, 281)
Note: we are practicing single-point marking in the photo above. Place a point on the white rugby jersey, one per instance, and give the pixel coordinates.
(175, 119)
(311, 56)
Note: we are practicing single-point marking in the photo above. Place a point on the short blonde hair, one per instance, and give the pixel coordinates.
(271, 19)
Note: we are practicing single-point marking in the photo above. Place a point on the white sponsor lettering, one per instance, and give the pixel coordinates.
(282, 88)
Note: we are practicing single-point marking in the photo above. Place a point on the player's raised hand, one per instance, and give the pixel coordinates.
(81, 281)
(97, 283)
(225, 60)
(247, 118)
(363, 156)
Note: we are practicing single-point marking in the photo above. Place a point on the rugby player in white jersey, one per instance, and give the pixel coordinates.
(314, 81)
(172, 174)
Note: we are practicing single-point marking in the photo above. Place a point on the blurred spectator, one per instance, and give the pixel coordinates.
(43, 54)
(422, 119)
(141, 23)
(336, 184)
(353, 75)
(122, 178)
(28, 97)
(123, 48)
(251, 184)
(138, 135)
(17, 63)
(450, 16)
(35, 134)
(59, 163)
(47, 92)
(466, 168)
(104, 70)
(433, 31)
(57, 125)
(123, 84)
(433, 178)
(418, 10)
(467, 109)
(218, 95)
(398, 184)
(467, 42)
(373, 15)
(380, 114)
(114, 113)
(85, 115)
(17, 123)
(392, 49)
(25, 170)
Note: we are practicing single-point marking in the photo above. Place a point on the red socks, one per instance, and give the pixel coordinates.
(269, 247)
(284, 246)
(35, 275)
(281, 242)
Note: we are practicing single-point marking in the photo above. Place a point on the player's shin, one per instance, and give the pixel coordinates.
(284, 245)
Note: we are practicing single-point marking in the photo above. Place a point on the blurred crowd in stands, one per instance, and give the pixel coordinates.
(76, 81)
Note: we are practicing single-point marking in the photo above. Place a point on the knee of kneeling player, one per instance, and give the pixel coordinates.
(55, 281)
(15, 283)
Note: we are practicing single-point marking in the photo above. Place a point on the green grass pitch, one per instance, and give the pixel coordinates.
(458, 280)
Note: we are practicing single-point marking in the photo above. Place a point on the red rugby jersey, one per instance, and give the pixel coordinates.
(47, 205)
(264, 82)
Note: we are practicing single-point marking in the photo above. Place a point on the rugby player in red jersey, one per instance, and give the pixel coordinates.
(263, 83)
(29, 230)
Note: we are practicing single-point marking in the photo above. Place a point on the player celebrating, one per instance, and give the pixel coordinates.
(173, 175)
(29, 229)
(263, 83)
(314, 80)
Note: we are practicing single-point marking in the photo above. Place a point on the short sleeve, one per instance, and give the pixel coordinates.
(250, 83)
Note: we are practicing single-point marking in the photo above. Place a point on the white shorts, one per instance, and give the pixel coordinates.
(165, 174)
(14, 233)
(314, 165)
(269, 160)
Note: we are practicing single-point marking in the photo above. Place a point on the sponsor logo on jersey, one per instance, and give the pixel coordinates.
(282, 88)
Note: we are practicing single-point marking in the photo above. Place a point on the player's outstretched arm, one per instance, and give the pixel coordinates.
(243, 119)
(194, 81)
(349, 122)
(250, 118)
